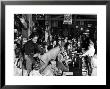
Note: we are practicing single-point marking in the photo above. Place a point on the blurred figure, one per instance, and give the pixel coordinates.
(94, 65)
(66, 39)
(91, 50)
(59, 42)
(88, 56)
(54, 43)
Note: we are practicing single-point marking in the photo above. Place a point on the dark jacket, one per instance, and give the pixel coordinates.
(31, 48)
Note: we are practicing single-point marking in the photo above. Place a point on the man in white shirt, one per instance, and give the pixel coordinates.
(89, 53)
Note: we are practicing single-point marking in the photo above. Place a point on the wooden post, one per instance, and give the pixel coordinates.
(30, 24)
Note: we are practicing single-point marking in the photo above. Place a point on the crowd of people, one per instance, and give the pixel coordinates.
(45, 46)
(76, 56)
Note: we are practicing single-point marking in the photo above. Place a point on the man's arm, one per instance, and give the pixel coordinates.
(86, 53)
(37, 55)
(40, 51)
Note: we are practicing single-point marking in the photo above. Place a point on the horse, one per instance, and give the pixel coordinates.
(46, 57)
(50, 55)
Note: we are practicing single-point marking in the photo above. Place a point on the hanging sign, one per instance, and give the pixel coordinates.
(67, 19)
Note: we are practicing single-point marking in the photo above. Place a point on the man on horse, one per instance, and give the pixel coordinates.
(32, 49)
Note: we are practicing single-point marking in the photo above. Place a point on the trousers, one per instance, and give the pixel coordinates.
(29, 62)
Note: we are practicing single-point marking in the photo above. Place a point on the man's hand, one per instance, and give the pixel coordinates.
(36, 55)
(81, 55)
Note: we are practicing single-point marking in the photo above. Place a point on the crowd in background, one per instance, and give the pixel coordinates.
(56, 57)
